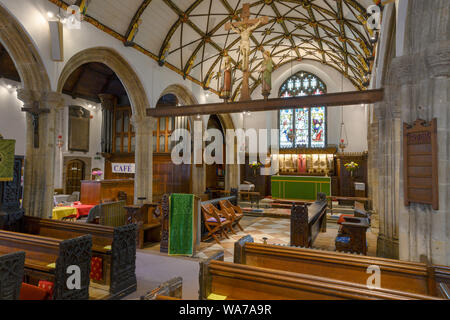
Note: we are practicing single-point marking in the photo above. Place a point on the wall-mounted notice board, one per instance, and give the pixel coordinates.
(420, 165)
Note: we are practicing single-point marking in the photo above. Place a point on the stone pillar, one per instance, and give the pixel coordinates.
(418, 86)
(143, 184)
(40, 162)
(109, 101)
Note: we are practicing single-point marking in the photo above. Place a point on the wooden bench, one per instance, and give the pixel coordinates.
(50, 258)
(12, 266)
(169, 290)
(243, 282)
(307, 221)
(116, 246)
(395, 274)
(146, 217)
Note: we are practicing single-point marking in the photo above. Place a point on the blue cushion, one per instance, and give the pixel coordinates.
(343, 239)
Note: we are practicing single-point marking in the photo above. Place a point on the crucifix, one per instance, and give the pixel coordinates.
(35, 112)
(244, 28)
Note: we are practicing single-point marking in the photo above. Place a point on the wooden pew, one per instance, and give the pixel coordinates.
(169, 290)
(307, 221)
(116, 246)
(12, 266)
(242, 282)
(397, 275)
(147, 219)
(50, 258)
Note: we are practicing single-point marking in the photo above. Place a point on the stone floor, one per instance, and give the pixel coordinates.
(277, 231)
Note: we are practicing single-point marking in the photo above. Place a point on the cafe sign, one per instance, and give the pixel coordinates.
(124, 168)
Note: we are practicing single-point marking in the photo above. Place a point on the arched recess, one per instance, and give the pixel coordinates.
(125, 72)
(36, 88)
(139, 103)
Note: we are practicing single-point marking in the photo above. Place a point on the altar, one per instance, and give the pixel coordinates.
(299, 187)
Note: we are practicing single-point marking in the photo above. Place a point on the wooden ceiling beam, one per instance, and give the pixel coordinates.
(137, 16)
(329, 100)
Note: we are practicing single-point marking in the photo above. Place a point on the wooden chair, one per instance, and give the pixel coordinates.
(234, 211)
(214, 223)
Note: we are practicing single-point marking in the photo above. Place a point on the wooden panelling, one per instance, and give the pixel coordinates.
(346, 181)
(168, 177)
(420, 166)
(95, 192)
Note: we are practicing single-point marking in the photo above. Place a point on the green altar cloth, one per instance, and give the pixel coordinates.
(7, 151)
(181, 225)
(300, 188)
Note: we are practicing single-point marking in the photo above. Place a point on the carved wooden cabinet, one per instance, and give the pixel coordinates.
(10, 197)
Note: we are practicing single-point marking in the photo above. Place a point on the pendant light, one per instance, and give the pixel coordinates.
(343, 139)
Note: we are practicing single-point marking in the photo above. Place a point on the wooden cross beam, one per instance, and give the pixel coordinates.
(245, 19)
(35, 112)
(328, 100)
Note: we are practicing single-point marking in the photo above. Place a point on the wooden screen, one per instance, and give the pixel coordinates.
(123, 131)
(420, 166)
(164, 130)
(74, 174)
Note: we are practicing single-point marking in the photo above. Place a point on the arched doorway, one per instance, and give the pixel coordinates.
(75, 172)
(169, 177)
(36, 90)
(135, 135)
(215, 173)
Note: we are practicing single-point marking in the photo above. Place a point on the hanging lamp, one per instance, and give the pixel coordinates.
(343, 139)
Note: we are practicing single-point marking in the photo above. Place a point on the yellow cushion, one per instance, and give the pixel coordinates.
(214, 296)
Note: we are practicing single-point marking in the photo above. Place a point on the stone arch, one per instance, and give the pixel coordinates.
(125, 72)
(36, 88)
(23, 52)
(139, 104)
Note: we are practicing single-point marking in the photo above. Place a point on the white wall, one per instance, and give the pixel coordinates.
(355, 117)
(32, 14)
(12, 119)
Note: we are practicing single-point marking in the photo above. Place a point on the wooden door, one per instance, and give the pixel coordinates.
(74, 174)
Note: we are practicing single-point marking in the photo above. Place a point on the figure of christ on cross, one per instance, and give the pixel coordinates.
(244, 28)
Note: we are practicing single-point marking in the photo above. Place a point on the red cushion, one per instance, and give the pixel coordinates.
(342, 218)
(29, 292)
(97, 268)
(47, 286)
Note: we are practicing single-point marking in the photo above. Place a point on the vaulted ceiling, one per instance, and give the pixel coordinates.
(193, 34)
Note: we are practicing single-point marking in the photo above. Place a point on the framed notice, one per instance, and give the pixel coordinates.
(79, 121)
(420, 165)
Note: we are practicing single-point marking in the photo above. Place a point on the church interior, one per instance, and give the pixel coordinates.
(224, 150)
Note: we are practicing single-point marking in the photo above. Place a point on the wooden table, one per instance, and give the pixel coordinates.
(77, 211)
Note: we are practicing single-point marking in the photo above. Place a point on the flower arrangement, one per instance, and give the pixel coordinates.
(97, 174)
(255, 166)
(351, 167)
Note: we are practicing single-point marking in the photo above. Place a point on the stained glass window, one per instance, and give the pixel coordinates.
(303, 127)
(286, 128)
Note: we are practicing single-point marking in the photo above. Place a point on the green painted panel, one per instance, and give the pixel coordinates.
(300, 188)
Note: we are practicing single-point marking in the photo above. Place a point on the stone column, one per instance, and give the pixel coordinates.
(418, 87)
(40, 162)
(143, 184)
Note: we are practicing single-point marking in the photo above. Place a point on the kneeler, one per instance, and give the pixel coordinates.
(96, 269)
(30, 292)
